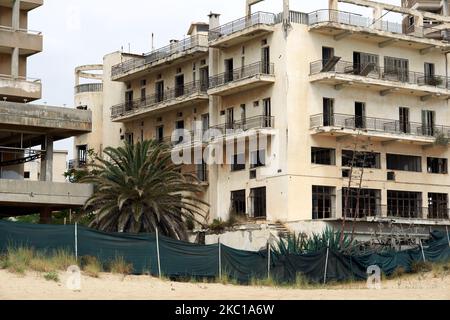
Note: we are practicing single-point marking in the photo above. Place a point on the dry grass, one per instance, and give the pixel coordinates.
(120, 266)
(91, 266)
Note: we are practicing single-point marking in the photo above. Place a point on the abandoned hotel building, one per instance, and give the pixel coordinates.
(28, 131)
(354, 107)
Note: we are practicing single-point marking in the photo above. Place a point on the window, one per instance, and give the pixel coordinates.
(159, 91)
(258, 159)
(160, 133)
(428, 123)
(404, 204)
(361, 203)
(405, 126)
(238, 163)
(129, 137)
(82, 154)
(365, 63)
(396, 69)
(26, 175)
(258, 202)
(437, 165)
(361, 159)
(238, 205)
(323, 201)
(404, 163)
(438, 206)
(323, 156)
(328, 112)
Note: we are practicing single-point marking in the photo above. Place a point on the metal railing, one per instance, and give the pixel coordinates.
(352, 122)
(406, 212)
(357, 20)
(258, 122)
(257, 18)
(76, 164)
(89, 87)
(374, 71)
(197, 41)
(255, 69)
(152, 101)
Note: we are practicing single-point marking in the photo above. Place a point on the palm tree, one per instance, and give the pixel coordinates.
(139, 189)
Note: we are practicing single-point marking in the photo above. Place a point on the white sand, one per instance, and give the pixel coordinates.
(111, 287)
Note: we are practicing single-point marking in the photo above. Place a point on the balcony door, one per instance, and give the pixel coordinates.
(205, 122)
(428, 122)
(159, 91)
(405, 126)
(396, 69)
(179, 85)
(258, 203)
(243, 116)
(328, 112)
(160, 134)
(265, 59)
(229, 67)
(230, 118)
(204, 79)
(129, 100)
(267, 104)
(365, 63)
(360, 115)
(430, 78)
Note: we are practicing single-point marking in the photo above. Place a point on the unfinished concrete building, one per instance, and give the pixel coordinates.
(28, 131)
(355, 110)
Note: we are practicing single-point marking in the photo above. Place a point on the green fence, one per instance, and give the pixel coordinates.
(151, 254)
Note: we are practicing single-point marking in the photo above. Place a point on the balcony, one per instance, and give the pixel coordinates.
(28, 41)
(184, 50)
(20, 89)
(246, 78)
(382, 130)
(89, 88)
(76, 164)
(243, 128)
(242, 30)
(178, 97)
(25, 5)
(386, 81)
(341, 24)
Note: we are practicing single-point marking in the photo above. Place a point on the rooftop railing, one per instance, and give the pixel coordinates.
(197, 41)
(89, 87)
(258, 68)
(152, 101)
(374, 71)
(352, 122)
(257, 18)
(357, 20)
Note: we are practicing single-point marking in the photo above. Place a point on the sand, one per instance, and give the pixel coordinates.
(112, 287)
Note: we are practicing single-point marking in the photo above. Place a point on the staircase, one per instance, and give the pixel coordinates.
(279, 229)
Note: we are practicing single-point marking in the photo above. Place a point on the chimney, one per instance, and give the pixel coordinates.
(214, 20)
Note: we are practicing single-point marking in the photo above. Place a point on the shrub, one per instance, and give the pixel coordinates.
(218, 226)
(51, 276)
(120, 266)
(91, 266)
(421, 266)
(398, 273)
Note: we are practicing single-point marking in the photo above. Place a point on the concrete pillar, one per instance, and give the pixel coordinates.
(47, 160)
(45, 216)
(333, 4)
(377, 14)
(15, 63)
(16, 15)
(418, 25)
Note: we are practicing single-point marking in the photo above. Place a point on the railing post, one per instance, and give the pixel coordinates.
(326, 263)
(220, 258)
(448, 236)
(423, 252)
(158, 254)
(76, 241)
(269, 251)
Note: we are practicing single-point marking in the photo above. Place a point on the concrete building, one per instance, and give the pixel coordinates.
(354, 110)
(32, 170)
(28, 131)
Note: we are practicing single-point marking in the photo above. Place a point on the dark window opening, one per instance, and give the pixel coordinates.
(361, 203)
(258, 201)
(323, 156)
(179, 85)
(26, 175)
(404, 163)
(238, 162)
(328, 112)
(82, 154)
(438, 206)
(323, 201)
(404, 204)
(159, 91)
(238, 205)
(258, 159)
(405, 125)
(360, 159)
(437, 165)
(160, 133)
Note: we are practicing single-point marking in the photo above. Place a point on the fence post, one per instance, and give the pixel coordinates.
(76, 241)
(157, 253)
(326, 263)
(220, 258)
(448, 236)
(269, 250)
(423, 252)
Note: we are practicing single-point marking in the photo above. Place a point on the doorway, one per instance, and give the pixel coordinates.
(360, 115)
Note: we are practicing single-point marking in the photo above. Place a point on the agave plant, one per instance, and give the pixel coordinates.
(302, 244)
(139, 189)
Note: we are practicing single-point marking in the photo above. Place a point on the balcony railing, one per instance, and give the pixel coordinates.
(199, 40)
(357, 20)
(76, 164)
(258, 122)
(373, 71)
(257, 18)
(255, 69)
(352, 122)
(89, 87)
(155, 100)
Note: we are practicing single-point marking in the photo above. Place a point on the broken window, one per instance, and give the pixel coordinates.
(361, 203)
(238, 206)
(323, 156)
(361, 159)
(323, 201)
(438, 206)
(404, 204)
(258, 202)
(404, 163)
(437, 165)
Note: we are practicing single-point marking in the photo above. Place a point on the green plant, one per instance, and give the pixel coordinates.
(91, 266)
(120, 266)
(139, 189)
(18, 259)
(218, 226)
(51, 276)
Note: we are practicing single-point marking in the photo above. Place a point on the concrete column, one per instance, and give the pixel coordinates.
(45, 216)
(377, 14)
(339, 199)
(333, 4)
(425, 205)
(16, 15)
(47, 161)
(15, 63)
(418, 25)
